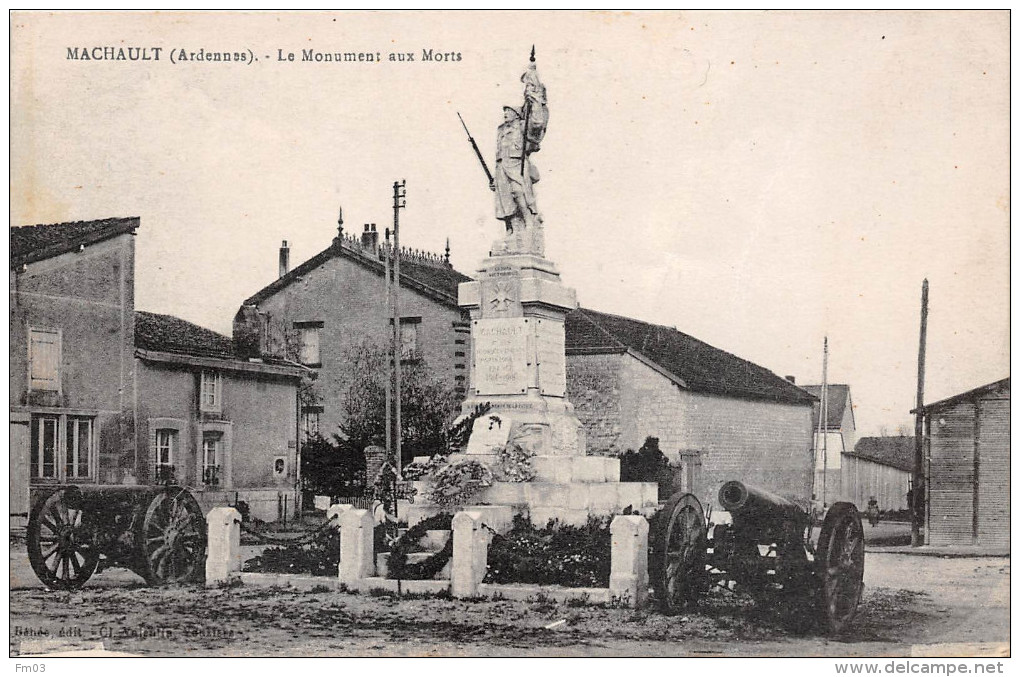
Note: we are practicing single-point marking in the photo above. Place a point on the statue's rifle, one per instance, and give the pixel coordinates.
(477, 152)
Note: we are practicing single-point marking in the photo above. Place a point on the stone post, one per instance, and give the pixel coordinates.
(334, 515)
(470, 553)
(628, 578)
(357, 546)
(223, 557)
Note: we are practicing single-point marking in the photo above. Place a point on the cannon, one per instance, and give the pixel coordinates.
(158, 532)
(766, 550)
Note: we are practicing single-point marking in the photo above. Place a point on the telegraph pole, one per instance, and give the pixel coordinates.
(917, 478)
(389, 352)
(399, 202)
(823, 420)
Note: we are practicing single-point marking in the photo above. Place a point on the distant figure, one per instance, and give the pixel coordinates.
(872, 511)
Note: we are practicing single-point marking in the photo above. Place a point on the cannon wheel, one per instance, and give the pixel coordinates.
(840, 566)
(679, 541)
(171, 539)
(61, 541)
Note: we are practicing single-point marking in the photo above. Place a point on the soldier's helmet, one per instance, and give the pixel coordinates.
(514, 110)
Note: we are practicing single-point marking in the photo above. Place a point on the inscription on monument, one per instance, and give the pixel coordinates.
(552, 367)
(500, 356)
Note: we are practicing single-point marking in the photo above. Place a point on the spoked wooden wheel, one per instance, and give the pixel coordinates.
(171, 539)
(677, 568)
(61, 541)
(840, 566)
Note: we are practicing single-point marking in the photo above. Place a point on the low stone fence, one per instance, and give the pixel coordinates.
(628, 580)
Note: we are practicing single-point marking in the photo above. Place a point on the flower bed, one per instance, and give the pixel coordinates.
(556, 554)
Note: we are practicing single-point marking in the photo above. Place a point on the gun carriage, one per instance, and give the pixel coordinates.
(766, 549)
(158, 532)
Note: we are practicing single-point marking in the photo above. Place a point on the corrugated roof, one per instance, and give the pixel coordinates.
(34, 243)
(700, 367)
(169, 334)
(839, 396)
(895, 452)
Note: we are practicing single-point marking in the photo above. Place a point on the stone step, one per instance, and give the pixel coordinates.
(382, 564)
(603, 498)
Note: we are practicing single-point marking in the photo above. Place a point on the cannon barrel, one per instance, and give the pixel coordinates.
(744, 501)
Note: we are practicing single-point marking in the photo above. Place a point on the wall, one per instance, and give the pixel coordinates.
(621, 400)
(259, 413)
(593, 387)
(968, 487)
(89, 296)
(863, 479)
(349, 300)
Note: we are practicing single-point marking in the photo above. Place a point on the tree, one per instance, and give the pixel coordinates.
(428, 405)
(332, 468)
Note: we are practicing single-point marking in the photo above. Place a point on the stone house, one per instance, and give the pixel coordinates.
(223, 426)
(879, 467)
(71, 356)
(968, 468)
(101, 393)
(837, 436)
(336, 300)
(718, 416)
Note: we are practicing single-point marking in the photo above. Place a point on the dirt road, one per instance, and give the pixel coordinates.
(909, 600)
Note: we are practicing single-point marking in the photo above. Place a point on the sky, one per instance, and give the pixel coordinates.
(756, 180)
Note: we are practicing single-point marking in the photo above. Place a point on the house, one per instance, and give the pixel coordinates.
(102, 393)
(71, 356)
(968, 468)
(717, 415)
(837, 435)
(224, 426)
(337, 299)
(879, 467)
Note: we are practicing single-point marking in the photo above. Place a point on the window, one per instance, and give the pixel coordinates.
(44, 446)
(310, 420)
(210, 392)
(62, 447)
(211, 444)
(78, 450)
(44, 359)
(166, 447)
(308, 343)
(409, 338)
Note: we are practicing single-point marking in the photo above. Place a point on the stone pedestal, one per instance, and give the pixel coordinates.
(518, 306)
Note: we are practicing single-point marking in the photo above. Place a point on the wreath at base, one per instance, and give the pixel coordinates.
(397, 566)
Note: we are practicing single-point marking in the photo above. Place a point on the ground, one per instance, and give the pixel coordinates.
(912, 605)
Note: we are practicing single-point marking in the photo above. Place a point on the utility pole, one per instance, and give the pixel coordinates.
(917, 478)
(823, 420)
(399, 202)
(389, 352)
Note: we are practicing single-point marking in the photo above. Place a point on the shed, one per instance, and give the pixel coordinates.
(968, 467)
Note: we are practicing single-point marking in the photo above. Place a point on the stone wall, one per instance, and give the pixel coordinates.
(593, 387)
(621, 400)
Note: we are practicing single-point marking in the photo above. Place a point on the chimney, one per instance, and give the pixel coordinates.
(791, 379)
(284, 259)
(370, 238)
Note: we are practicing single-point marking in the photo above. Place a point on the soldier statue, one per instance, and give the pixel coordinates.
(518, 137)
